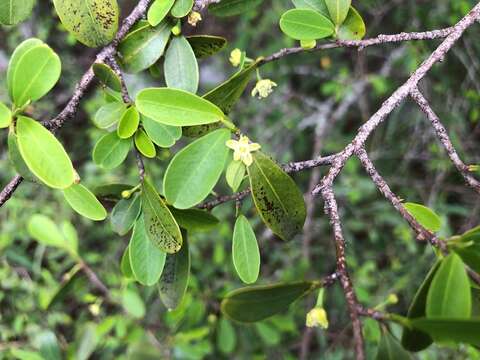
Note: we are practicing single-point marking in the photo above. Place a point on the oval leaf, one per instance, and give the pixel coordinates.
(196, 169)
(304, 24)
(235, 174)
(338, 10)
(158, 10)
(277, 198)
(146, 260)
(206, 45)
(257, 303)
(160, 224)
(125, 265)
(177, 107)
(5, 116)
(353, 28)
(13, 12)
(174, 280)
(111, 151)
(425, 216)
(469, 249)
(45, 231)
(245, 252)
(109, 114)
(181, 8)
(194, 219)
(163, 135)
(128, 124)
(17, 160)
(84, 202)
(44, 155)
(144, 144)
(107, 76)
(181, 67)
(317, 5)
(125, 213)
(92, 22)
(451, 330)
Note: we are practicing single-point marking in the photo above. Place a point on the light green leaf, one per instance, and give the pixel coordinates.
(255, 303)
(226, 336)
(353, 28)
(125, 213)
(44, 230)
(181, 67)
(412, 339)
(235, 174)
(304, 24)
(35, 73)
(245, 252)
(196, 169)
(92, 22)
(425, 216)
(5, 116)
(163, 135)
(107, 76)
(194, 220)
(181, 8)
(84, 202)
(277, 198)
(317, 5)
(338, 10)
(13, 12)
(146, 260)
(233, 7)
(206, 45)
(88, 341)
(25, 354)
(174, 280)
(48, 345)
(158, 11)
(17, 160)
(160, 224)
(128, 124)
(125, 265)
(133, 303)
(44, 155)
(143, 46)
(390, 349)
(70, 235)
(145, 145)
(111, 151)
(177, 107)
(109, 114)
(450, 295)
(451, 330)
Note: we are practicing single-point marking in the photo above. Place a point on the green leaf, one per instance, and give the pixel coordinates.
(84, 202)
(338, 10)
(112, 191)
(71, 281)
(111, 151)
(235, 174)
(226, 336)
(353, 28)
(146, 260)
(158, 11)
(92, 22)
(245, 252)
(450, 295)
(317, 5)
(88, 341)
(107, 76)
(451, 330)
(194, 220)
(412, 339)
(255, 303)
(125, 213)
(390, 349)
(233, 7)
(195, 170)
(25, 354)
(206, 45)
(177, 107)
(5, 116)
(35, 73)
(161, 226)
(304, 24)
(277, 198)
(48, 344)
(145, 145)
(197, 131)
(13, 12)
(181, 67)
(45, 231)
(425, 216)
(125, 265)
(469, 248)
(133, 303)
(44, 155)
(143, 46)
(17, 160)
(164, 136)
(70, 235)
(128, 124)
(109, 114)
(181, 8)
(174, 280)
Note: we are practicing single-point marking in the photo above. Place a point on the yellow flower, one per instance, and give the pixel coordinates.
(263, 88)
(392, 299)
(243, 149)
(236, 57)
(194, 17)
(317, 317)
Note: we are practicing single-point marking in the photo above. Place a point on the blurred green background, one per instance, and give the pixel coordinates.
(321, 100)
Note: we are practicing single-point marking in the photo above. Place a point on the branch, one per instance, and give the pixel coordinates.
(442, 135)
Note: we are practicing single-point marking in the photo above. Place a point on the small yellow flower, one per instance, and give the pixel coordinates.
(243, 149)
(236, 57)
(194, 17)
(263, 88)
(317, 317)
(392, 299)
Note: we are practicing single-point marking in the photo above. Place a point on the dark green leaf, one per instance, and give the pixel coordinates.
(206, 45)
(233, 7)
(125, 213)
(469, 248)
(195, 220)
(107, 76)
(451, 330)
(390, 349)
(226, 337)
(48, 344)
(111, 190)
